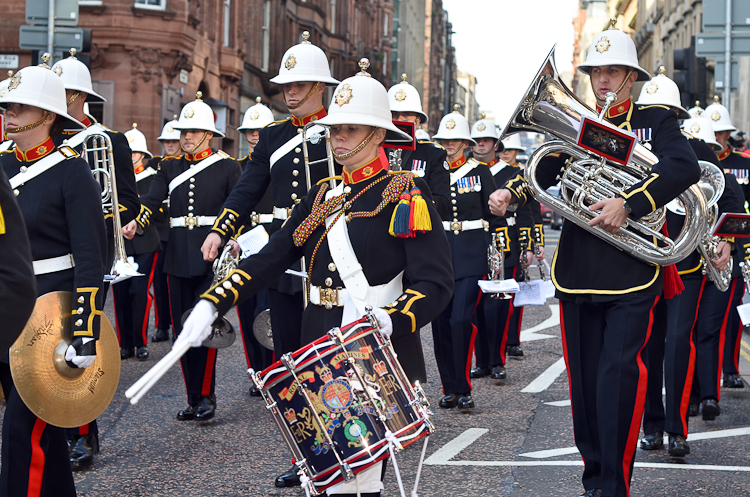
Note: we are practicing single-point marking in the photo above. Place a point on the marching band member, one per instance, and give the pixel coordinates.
(84, 441)
(196, 184)
(498, 318)
(371, 208)
(131, 297)
(278, 163)
(607, 297)
(170, 143)
(258, 357)
(61, 205)
(468, 236)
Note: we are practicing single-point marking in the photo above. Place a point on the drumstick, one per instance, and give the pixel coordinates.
(148, 380)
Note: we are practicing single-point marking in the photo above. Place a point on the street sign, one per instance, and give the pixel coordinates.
(719, 75)
(35, 38)
(714, 15)
(8, 61)
(712, 44)
(66, 12)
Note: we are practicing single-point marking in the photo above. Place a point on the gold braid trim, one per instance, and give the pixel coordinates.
(27, 127)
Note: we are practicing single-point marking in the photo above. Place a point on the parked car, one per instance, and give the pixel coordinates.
(549, 216)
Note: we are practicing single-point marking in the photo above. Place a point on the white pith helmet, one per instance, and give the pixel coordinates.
(454, 126)
(403, 97)
(137, 141)
(304, 62)
(662, 91)
(197, 115)
(701, 128)
(485, 128)
(361, 99)
(422, 135)
(513, 142)
(168, 132)
(76, 76)
(719, 116)
(39, 87)
(613, 48)
(256, 117)
(697, 110)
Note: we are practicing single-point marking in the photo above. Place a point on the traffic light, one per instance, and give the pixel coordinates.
(689, 74)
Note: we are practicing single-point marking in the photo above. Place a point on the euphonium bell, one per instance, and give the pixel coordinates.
(550, 107)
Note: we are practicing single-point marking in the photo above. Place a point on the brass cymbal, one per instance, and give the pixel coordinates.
(262, 329)
(56, 393)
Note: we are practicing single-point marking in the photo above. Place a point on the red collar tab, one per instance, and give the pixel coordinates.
(459, 162)
(492, 162)
(199, 155)
(37, 152)
(616, 110)
(139, 168)
(725, 153)
(86, 122)
(320, 114)
(364, 172)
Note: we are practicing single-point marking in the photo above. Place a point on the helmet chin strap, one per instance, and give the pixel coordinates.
(309, 94)
(617, 92)
(356, 149)
(27, 127)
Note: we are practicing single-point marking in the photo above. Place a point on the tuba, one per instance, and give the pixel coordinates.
(103, 168)
(712, 185)
(549, 107)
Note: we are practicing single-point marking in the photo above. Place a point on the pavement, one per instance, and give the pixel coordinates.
(517, 442)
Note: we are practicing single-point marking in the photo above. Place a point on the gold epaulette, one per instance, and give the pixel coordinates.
(6, 151)
(654, 105)
(437, 145)
(224, 155)
(277, 122)
(339, 178)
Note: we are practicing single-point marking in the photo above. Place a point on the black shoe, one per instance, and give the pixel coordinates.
(710, 409)
(206, 409)
(187, 414)
(254, 392)
(82, 453)
(141, 353)
(733, 381)
(594, 492)
(498, 373)
(126, 353)
(288, 479)
(449, 401)
(514, 351)
(678, 446)
(692, 410)
(652, 441)
(477, 372)
(160, 336)
(466, 402)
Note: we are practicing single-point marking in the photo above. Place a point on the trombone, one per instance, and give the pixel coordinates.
(102, 163)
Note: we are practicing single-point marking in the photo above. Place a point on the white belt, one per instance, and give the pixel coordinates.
(191, 222)
(376, 296)
(256, 219)
(54, 264)
(328, 297)
(457, 226)
(282, 213)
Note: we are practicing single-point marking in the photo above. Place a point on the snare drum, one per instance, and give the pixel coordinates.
(335, 398)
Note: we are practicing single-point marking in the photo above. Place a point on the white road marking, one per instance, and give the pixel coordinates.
(455, 446)
(554, 320)
(544, 380)
(693, 467)
(708, 435)
(558, 403)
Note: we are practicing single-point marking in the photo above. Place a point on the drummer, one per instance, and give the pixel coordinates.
(367, 215)
(61, 205)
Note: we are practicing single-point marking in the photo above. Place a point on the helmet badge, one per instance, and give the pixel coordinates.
(481, 127)
(254, 115)
(652, 88)
(716, 116)
(189, 113)
(400, 95)
(450, 124)
(14, 81)
(695, 128)
(344, 95)
(58, 70)
(603, 44)
(290, 62)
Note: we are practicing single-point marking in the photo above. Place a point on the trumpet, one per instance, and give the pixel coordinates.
(496, 264)
(544, 269)
(102, 163)
(550, 107)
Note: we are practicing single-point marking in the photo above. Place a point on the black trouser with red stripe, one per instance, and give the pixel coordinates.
(35, 460)
(733, 335)
(603, 347)
(258, 357)
(286, 320)
(709, 338)
(497, 320)
(672, 346)
(453, 334)
(162, 317)
(199, 363)
(133, 303)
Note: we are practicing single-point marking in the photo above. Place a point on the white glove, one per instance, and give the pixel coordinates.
(83, 360)
(197, 326)
(384, 321)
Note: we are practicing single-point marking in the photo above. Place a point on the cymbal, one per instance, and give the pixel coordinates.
(56, 393)
(262, 329)
(222, 332)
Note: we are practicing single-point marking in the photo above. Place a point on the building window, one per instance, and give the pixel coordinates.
(151, 4)
(385, 25)
(333, 16)
(266, 47)
(89, 2)
(227, 23)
